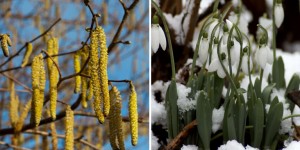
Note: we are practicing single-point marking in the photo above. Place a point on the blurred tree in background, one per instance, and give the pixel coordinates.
(36, 21)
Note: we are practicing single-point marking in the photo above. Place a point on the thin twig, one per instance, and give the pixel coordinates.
(126, 12)
(18, 82)
(25, 45)
(79, 139)
(12, 146)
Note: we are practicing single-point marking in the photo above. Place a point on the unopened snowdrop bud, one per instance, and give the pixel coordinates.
(216, 66)
(264, 56)
(157, 36)
(245, 62)
(278, 14)
(203, 51)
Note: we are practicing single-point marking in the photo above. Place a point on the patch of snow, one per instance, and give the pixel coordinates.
(154, 142)
(296, 111)
(295, 145)
(158, 112)
(184, 103)
(189, 147)
(217, 119)
(232, 145)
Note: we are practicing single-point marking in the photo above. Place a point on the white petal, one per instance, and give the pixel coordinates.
(221, 72)
(262, 57)
(154, 38)
(279, 15)
(235, 52)
(215, 64)
(270, 57)
(203, 51)
(245, 64)
(225, 38)
(162, 38)
(229, 24)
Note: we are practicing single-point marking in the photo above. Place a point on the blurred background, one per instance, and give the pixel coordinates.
(25, 20)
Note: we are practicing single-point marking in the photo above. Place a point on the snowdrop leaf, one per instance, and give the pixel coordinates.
(266, 93)
(204, 119)
(258, 125)
(273, 124)
(257, 87)
(240, 118)
(228, 124)
(278, 73)
(241, 91)
(172, 109)
(218, 88)
(293, 86)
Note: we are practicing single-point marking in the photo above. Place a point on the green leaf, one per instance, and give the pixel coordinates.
(229, 127)
(258, 125)
(266, 93)
(204, 119)
(172, 109)
(240, 118)
(257, 88)
(278, 73)
(273, 124)
(292, 86)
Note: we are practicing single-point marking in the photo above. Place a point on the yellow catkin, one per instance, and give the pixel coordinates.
(100, 138)
(84, 92)
(53, 48)
(45, 142)
(77, 70)
(117, 123)
(23, 116)
(69, 127)
(5, 42)
(37, 102)
(112, 122)
(27, 54)
(13, 105)
(133, 115)
(54, 136)
(103, 69)
(95, 77)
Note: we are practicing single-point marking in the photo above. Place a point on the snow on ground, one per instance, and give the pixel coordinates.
(189, 147)
(293, 146)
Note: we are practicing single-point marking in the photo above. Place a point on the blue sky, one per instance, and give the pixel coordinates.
(74, 35)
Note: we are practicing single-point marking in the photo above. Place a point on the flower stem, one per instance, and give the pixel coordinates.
(274, 31)
(168, 37)
(291, 116)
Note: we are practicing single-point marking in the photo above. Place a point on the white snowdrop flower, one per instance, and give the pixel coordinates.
(264, 56)
(279, 14)
(157, 38)
(203, 51)
(216, 66)
(235, 52)
(211, 28)
(245, 64)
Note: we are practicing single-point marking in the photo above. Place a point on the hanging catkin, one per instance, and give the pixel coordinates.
(103, 69)
(27, 54)
(112, 122)
(115, 122)
(53, 134)
(95, 77)
(83, 58)
(23, 116)
(77, 70)
(69, 127)
(13, 104)
(133, 115)
(37, 75)
(5, 42)
(53, 49)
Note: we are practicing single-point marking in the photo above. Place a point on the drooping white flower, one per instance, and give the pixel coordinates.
(263, 56)
(211, 28)
(203, 51)
(245, 64)
(278, 14)
(157, 38)
(216, 66)
(235, 52)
